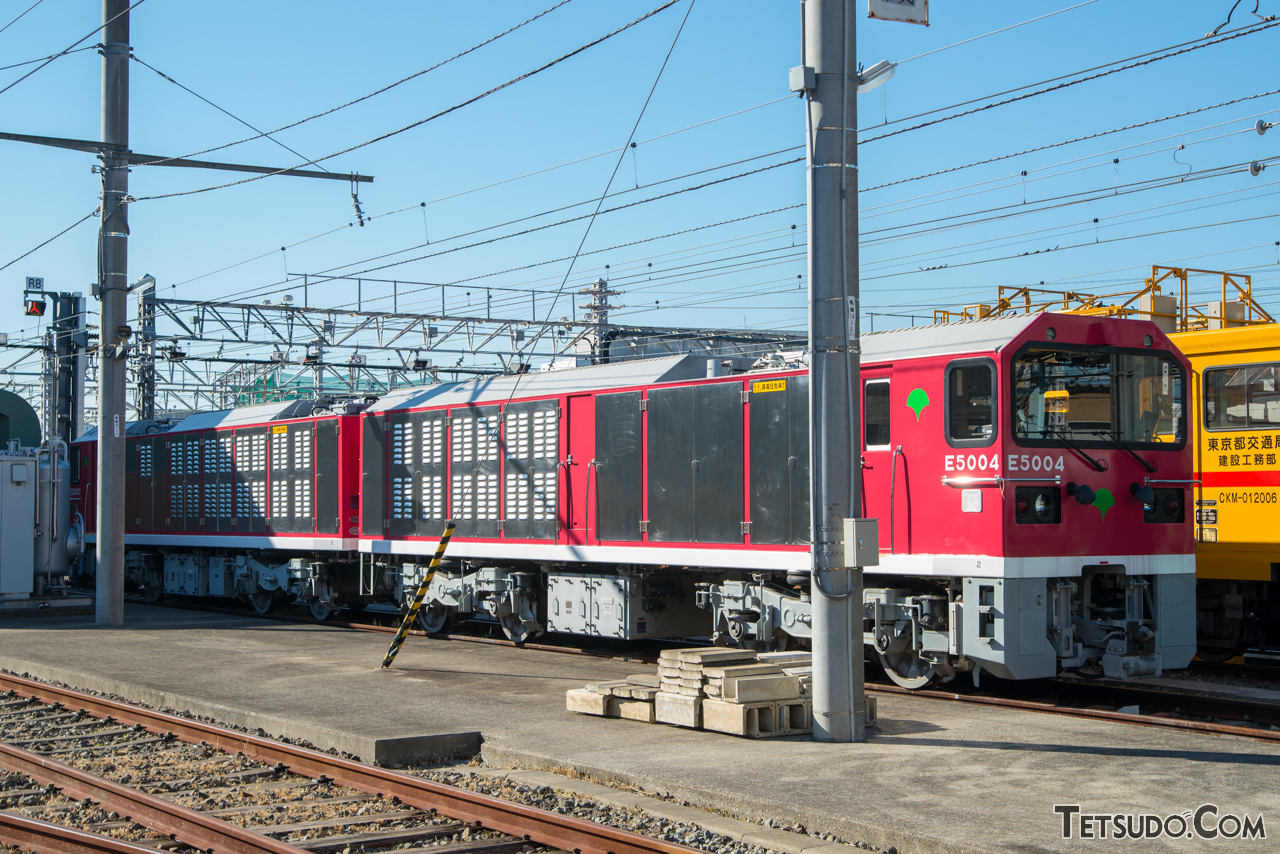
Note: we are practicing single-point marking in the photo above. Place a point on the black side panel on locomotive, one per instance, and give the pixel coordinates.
(699, 429)
(328, 510)
(780, 461)
(620, 473)
(373, 477)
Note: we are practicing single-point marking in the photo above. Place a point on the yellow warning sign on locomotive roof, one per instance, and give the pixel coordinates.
(280, 428)
(768, 385)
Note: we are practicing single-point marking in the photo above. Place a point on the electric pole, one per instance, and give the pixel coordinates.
(828, 79)
(113, 259)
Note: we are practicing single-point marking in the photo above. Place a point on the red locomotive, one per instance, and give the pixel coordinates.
(1029, 475)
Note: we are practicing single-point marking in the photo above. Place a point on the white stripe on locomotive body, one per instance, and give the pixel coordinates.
(934, 566)
(1041, 566)
(246, 541)
(712, 558)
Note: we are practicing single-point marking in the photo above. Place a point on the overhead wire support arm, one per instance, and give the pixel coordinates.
(135, 159)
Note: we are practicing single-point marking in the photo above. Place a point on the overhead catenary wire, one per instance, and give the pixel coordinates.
(891, 183)
(72, 46)
(994, 32)
(950, 222)
(586, 232)
(21, 15)
(605, 153)
(1191, 112)
(262, 290)
(223, 110)
(1198, 44)
(1072, 141)
(51, 56)
(1112, 221)
(1004, 182)
(40, 246)
(538, 228)
(324, 275)
(362, 98)
(464, 271)
(563, 208)
(1086, 245)
(419, 123)
(929, 302)
(421, 205)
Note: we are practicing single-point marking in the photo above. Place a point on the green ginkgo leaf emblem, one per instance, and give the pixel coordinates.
(1104, 501)
(918, 400)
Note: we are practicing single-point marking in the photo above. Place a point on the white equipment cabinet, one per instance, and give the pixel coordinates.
(17, 521)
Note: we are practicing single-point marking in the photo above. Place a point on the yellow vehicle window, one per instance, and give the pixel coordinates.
(1242, 398)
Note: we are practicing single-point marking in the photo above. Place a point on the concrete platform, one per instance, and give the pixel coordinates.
(935, 777)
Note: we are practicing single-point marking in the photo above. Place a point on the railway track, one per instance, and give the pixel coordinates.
(1163, 709)
(1266, 673)
(90, 773)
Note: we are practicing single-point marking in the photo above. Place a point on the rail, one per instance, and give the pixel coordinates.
(200, 831)
(1204, 727)
(529, 823)
(29, 834)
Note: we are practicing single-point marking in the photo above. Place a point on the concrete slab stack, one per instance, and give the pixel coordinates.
(733, 691)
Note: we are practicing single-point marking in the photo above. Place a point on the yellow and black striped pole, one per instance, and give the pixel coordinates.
(407, 622)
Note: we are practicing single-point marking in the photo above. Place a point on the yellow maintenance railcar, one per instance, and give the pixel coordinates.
(1236, 434)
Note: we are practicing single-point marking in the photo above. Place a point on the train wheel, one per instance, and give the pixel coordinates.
(1216, 653)
(514, 628)
(435, 618)
(319, 611)
(909, 670)
(781, 641)
(263, 601)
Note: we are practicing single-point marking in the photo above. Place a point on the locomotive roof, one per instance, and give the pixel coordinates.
(988, 334)
(966, 336)
(547, 383)
(244, 415)
(131, 428)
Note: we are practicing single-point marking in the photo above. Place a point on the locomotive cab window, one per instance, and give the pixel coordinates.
(1246, 397)
(970, 403)
(1097, 397)
(875, 414)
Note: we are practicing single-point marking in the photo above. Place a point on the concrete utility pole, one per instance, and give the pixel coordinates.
(828, 79)
(113, 255)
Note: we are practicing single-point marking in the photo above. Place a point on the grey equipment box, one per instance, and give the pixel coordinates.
(17, 525)
(623, 605)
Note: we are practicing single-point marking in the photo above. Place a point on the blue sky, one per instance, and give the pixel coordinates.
(274, 63)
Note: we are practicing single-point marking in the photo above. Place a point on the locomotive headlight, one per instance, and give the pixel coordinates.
(1160, 506)
(1044, 506)
(1038, 505)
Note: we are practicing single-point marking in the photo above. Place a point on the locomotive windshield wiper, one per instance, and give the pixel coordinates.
(1098, 465)
(1115, 437)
